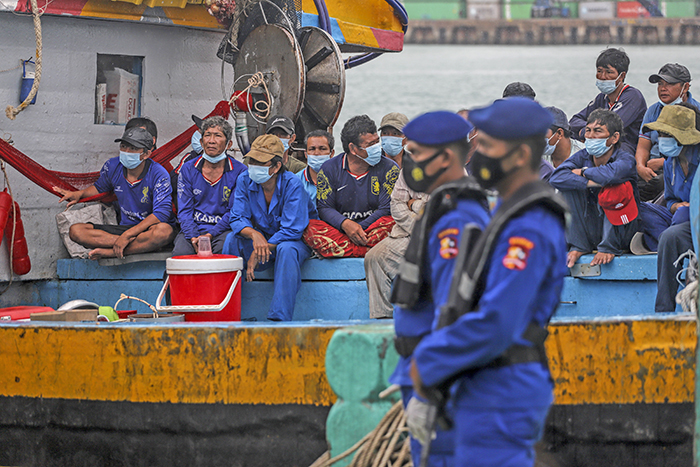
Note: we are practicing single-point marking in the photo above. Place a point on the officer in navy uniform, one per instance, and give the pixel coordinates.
(493, 348)
(434, 163)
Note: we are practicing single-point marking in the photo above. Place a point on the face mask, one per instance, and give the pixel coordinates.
(549, 149)
(285, 143)
(669, 147)
(316, 161)
(415, 176)
(392, 145)
(374, 154)
(488, 171)
(597, 147)
(197, 142)
(606, 86)
(259, 173)
(214, 159)
(130, 160)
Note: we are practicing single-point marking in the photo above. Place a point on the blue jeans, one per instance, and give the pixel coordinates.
(673, 242)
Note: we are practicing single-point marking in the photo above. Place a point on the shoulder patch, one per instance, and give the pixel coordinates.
(448, 243)
(518, 252)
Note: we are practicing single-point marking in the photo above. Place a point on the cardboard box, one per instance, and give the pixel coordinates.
(122, 96)
(68, 315)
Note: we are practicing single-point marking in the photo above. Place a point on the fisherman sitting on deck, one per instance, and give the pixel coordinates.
(626, 101)
(353, 198)
(283, 128)
(143, 192)
(269, 214)
(393, 140)
(319, 149)
(600, 186)
(673, 87)
(204, 190)
(560, 146)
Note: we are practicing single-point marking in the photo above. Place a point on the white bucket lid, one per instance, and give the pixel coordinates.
(195, 265)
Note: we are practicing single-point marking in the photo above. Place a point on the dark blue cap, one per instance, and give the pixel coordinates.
(512, 118)
(437, 128)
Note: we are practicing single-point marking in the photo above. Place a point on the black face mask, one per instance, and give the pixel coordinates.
(414, 173)
(487, 170)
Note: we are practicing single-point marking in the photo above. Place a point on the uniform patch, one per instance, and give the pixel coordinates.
(448, 243)
(518, 252)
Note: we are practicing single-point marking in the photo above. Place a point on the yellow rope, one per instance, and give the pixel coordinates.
(10, 111)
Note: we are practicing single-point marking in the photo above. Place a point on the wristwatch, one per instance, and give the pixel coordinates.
(583, 170)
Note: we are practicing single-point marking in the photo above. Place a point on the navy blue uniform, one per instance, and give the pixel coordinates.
(630, 106)
(441, 252)
(500, 412)
(282, 224)
(136, 201)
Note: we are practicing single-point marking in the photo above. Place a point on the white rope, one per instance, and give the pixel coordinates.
(125, 297)
(262, 107)
(10, 111)
(688, 297)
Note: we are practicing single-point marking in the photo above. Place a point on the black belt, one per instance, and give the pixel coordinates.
(405, 345)
(518, 353)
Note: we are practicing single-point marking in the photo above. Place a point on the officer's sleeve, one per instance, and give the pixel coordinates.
(325, 200)
(295, 213)
(162, 195)
(517, 267)
(185, 205)
(563, 179)
(241, 215)
(384, 208)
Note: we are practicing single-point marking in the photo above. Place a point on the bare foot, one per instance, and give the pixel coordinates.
(572, 257)
(99, 253)
(602, 258)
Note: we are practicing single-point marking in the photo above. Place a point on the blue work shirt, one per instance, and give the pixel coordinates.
(204, 206)
(443, 246)
(651, 115)
(308, 184)
(523, 284)
(620, 168)
(285, 219)
(677, 185)
(630, 106)
(362, 198)
(135, 201)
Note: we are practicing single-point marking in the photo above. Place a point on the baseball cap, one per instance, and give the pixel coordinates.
(198, 121)
(618, 203)
(394, 120)
(136, 137)
(638, 246)
(519, 89)
(560, 119)
(280, 121)
(679, 122)
(672, 73)
(512, 118)
(265, 147)
(437, 128)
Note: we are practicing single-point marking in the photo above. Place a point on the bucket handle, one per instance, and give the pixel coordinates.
(197, 308)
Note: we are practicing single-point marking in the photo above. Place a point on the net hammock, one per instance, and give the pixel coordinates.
(47, 179)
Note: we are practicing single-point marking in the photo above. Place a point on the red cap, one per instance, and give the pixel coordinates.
(618, 203)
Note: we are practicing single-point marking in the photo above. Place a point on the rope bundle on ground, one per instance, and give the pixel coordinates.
(388, 445)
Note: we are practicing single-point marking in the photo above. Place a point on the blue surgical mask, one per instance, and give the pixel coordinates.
(677, 101)
(392, 145)
(316, 161)
(197, 142)
(285, 143)
(259, 173)
(597, 147)
(130, 160)
(214, 159)
(549, 149)
(607, 86)
(374, 154)
(669, 147)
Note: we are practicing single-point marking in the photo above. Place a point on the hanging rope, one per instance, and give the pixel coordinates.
(10, 111)
(262, 107)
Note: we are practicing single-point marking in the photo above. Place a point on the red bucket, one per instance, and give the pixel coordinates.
(212, 283)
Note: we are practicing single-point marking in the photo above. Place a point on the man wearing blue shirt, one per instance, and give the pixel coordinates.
(269, 214)
(319, 149)
(581, 178)
(143, 192)
(205, 190)
(626, 101)
(492, 348)
(673, 87)
(354, 194)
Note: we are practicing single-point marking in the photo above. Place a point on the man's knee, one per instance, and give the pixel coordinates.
(77, 231)
(162, 232)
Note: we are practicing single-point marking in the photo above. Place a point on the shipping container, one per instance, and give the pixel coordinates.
(483, 10)
(435, 10)
(631, 10)
(596, 10)
(573, 8)
(678, 9)
(517, 9)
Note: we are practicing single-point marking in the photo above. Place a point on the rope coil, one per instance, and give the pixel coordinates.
(10, 111)
(262, 107)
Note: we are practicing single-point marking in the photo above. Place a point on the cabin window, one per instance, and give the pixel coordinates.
(118, 88)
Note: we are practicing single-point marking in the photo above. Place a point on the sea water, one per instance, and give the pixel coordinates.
(451, 77)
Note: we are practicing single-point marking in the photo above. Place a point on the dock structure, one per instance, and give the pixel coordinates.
(556, 31)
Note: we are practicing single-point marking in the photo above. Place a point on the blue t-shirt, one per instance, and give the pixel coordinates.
(308, 184)
(204, 206)
(362, 198)
(677, 185)
(651, 115)
(136, 201)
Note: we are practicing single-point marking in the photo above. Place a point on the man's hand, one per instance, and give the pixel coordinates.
(355, 232)
(71, 196)
(250, 269)
(576, 172)
(656, 164)
(195, 241)
(675, 206)
(260, 247)
(120, 245)
(645, 172)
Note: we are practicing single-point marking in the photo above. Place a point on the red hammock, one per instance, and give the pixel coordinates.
(47, 179)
